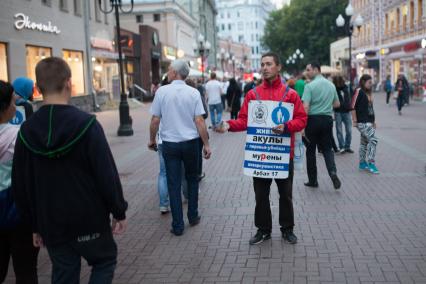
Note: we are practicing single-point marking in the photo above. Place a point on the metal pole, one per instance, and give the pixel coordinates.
(350, 62)
(202, 66)
(89, 72)
(125, 128)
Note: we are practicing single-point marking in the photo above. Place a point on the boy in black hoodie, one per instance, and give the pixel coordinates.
(65, 181)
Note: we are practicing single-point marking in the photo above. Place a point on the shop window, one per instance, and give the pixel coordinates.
(97, 12)
(157, 17)
(3, 62)
(47, 2)
(404, 17)
(398, 16)
(63, 5)
(386, 24)
(75, 62)
(77, 7)
(106, 16)
(34, 54)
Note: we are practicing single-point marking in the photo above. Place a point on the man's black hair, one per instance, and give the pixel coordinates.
(273, 55)
(315, 64)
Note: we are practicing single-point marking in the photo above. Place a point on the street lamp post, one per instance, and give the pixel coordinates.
(232, 61)
(202, 47)
(349, 27)
(296, 55)
(125, 128)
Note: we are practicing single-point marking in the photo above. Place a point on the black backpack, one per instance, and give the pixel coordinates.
(345, 99)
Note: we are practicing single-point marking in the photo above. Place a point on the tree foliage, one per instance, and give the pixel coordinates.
(308, 25)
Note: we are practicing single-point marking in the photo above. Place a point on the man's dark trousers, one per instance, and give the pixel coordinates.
(262, 212)
(174, 154)
(318, 132)
(100, 253)
(18, 243)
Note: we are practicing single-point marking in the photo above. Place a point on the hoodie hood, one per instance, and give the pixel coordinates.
(54, 129)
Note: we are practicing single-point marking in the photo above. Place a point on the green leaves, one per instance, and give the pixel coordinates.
(308, 25)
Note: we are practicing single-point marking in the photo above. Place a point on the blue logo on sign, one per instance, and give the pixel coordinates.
(18, 119)
(280, 115)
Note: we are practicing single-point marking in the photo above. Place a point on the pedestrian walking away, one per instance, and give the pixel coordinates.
(319, 99)
(234, 95)
(363, 119)
(388, 88)
(16, 241)
(403, 89)
(74, 187)
(272, 89)
(213, 97)
(342, 115)
(180, 110)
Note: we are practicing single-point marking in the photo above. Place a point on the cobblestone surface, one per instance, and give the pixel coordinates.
(371, 231)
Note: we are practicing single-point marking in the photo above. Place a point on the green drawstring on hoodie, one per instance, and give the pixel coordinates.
(62, 150)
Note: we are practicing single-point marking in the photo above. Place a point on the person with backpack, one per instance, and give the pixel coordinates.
(15, 234)
(342, 115)
(233, 93)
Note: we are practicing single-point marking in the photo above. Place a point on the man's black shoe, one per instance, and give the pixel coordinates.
(311, 184)
(336, 182)
(259, 238)
(195, 222)
(289, 236)
(349, 150)
(176, 233)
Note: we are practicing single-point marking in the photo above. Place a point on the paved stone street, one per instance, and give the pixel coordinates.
(372, 230)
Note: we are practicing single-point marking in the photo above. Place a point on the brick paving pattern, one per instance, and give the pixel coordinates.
(371, 231)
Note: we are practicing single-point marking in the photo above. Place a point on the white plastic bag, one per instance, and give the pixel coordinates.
(299, 152)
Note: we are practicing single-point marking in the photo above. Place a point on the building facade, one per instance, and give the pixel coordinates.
(179, 22)
(234, 58)
(392, 39)
(33, 30)
(244, 22)
(339, 55)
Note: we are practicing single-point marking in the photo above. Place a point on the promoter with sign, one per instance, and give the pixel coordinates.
(271, 114)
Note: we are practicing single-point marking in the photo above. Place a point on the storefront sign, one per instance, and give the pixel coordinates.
(412, 46)
(384, 51)
(155, 53)
(23, 22)
(101, 43)
(267, 155)
(370, 53)
(169, 52)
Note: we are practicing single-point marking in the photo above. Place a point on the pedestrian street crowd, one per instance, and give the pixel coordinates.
(60, 188)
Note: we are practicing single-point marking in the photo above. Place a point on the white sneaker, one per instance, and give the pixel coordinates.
(164, 209)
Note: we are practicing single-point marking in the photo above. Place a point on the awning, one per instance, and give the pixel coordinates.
(100, 53)
(195, 73)
(329, 70)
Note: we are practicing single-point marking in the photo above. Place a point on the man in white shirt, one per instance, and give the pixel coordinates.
(180, 110)
(213, 92)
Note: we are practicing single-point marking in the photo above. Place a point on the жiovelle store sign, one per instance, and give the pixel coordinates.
(23, 22)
